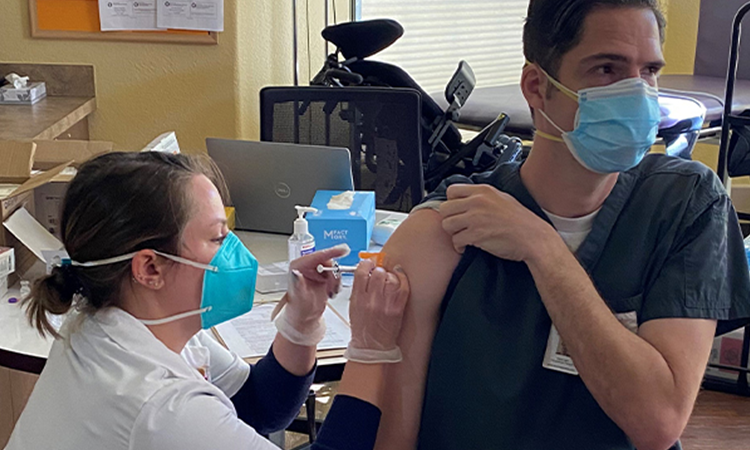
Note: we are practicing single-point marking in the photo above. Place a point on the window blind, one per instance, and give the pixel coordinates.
(440, 33)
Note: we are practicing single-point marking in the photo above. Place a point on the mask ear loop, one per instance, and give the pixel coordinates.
(565, 90)
(547, 135)
(561, 87)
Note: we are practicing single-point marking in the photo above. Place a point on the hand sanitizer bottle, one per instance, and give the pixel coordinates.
(301, 242)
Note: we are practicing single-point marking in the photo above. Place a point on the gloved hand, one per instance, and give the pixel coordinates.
(376, 311)
(301, 322)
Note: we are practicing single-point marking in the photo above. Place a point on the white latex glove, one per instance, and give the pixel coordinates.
(301, 322)
(376, 311)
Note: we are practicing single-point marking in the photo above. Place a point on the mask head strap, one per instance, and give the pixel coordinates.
(174, 317)
(116, 259)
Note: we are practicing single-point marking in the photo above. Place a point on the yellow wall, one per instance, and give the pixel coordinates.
(145, 89)
(682, 35)
(679, 51)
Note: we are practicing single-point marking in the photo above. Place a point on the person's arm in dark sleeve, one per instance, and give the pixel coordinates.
(351, 424)
(271, 397)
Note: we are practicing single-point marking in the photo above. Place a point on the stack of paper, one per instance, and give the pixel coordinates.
(251, 335)
(202, 15)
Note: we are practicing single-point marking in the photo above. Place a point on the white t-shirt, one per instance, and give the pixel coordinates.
(112, 385)
(573, 231)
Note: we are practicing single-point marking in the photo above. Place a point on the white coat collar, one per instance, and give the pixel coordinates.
(133, 336)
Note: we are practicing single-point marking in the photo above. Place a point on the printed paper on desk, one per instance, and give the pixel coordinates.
(127, 15)
(203, 15)
(252, 334)
(556, 355)
(31, 233)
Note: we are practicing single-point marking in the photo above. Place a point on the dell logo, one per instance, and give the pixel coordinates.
(282, 190)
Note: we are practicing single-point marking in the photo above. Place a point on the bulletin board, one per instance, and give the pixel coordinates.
(79, 19)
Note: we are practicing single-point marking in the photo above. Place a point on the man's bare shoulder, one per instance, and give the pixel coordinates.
(421, 238)
(425, 252)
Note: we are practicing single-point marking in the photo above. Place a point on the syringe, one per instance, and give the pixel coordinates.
(336, 269)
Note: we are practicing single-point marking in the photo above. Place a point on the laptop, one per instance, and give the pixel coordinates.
(267, 179)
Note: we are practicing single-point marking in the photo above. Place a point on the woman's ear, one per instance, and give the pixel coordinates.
(147, 269)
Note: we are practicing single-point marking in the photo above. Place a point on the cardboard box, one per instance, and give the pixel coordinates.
(166, 143)
(29, 95)
(50, 154)
(351, 225)
(48, 198)
(19, 181)
(48, 202)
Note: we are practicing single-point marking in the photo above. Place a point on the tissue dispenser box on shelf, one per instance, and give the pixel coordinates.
(343, 217)
(28, 95)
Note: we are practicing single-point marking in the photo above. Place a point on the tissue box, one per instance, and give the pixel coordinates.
(24, 96)
(352, 225)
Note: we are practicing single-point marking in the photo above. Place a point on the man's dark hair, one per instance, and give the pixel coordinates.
(554, 27)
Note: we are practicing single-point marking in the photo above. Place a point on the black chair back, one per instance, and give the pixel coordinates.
(380, 126)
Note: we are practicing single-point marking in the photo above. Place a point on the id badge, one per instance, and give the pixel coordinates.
(556, 355)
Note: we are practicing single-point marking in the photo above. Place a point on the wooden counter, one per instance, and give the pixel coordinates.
(51, 118)
(63, 114)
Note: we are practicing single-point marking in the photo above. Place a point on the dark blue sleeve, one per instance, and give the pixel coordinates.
(271, 397)
(439, 193)
(706, 274)
(493, 178)
(351, 424)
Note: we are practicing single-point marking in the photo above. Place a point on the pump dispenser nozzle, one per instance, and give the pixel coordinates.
(301, 242)
(301, 210)
(300, 224)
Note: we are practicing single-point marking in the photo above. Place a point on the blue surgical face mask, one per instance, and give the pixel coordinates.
(228, 282)
(615, 125)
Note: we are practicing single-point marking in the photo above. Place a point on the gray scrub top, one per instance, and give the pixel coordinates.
(665, 244)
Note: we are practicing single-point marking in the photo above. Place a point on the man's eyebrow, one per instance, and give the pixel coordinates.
(614, 57)
(605, 57)
(221, 221)
(660, 63)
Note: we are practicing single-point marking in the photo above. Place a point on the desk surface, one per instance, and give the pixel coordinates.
(47, 119)
(22, 348)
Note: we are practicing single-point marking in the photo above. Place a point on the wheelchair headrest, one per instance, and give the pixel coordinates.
(378, 73)
(362, 39)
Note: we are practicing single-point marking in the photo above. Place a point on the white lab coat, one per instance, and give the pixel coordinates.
(111, 385)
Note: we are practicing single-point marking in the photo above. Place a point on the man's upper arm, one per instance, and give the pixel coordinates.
(685, 345)
(426, 253)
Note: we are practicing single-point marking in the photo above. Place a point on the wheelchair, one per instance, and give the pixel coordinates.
(443, 152)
